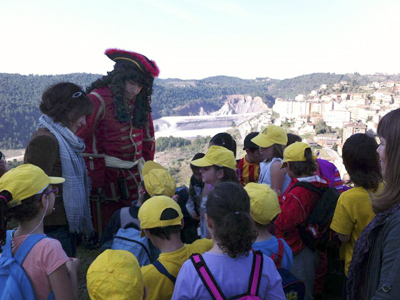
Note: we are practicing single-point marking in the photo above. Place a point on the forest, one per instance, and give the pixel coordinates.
(20, 95)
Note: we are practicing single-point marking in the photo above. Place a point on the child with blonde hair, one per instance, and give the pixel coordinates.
(272, 141)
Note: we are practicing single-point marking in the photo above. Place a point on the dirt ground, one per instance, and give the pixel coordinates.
(86, 257)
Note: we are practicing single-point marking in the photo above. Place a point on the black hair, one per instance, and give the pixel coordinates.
(228, 206)
(196, 156)
(165, 232)
(304, 168)
(225, 140)
(362, 161)
(292, 138)
(116, 79)
(253, 149)
(26, 211)
(63, 103)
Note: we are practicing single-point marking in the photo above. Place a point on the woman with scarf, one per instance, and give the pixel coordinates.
(119, 135)
(374, 271)
(56, 149)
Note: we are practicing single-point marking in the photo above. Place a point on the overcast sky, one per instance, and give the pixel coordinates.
(194, 39)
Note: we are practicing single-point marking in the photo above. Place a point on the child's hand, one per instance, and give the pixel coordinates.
(175, 197)
(73, 265)
(195, 216)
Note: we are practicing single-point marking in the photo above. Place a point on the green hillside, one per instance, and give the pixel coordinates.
(20, 95)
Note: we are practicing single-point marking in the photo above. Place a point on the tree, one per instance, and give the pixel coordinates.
(321, 127)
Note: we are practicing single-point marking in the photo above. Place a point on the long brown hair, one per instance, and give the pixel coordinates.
(389, 129)
(228, 205)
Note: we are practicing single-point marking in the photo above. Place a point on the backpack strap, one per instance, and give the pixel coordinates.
(26, 246)
(309, 186)
(141, 244)
(256, 272)
(278, 257)
(206, 277)
(159, 266)
(7, 248)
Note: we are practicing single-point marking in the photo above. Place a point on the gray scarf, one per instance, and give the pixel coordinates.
(76, 188)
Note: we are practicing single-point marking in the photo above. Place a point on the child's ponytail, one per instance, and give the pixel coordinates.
(228, 205)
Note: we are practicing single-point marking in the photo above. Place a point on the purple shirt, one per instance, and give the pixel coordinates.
(232, 276)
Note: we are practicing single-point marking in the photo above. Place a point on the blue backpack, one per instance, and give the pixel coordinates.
(15, 284)
(129, 239)
(293, 288)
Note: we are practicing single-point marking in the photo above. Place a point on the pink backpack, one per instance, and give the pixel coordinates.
(212, 286)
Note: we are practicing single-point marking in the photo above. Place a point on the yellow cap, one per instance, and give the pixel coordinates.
(150, 212)
(218, 156)
(25, 181)
(269, 136)
(115, 274)
(264, 204)
(295, 152)
(157, 180)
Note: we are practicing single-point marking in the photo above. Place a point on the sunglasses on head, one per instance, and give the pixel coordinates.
(78, 94)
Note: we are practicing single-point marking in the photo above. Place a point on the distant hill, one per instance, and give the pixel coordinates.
(20, 95)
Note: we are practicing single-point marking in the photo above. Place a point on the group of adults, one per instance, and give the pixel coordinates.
(98, 140)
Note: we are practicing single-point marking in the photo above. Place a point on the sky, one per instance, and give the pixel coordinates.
(195, 39)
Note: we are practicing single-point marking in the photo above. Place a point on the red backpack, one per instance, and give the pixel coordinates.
(212, 286)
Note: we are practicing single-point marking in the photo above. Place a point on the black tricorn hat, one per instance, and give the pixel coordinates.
(138, 61)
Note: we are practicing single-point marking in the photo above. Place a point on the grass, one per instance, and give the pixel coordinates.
(87, 257)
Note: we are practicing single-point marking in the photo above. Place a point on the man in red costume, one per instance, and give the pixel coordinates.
(119, 135)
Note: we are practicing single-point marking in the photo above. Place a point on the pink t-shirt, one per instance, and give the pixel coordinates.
(44, 258)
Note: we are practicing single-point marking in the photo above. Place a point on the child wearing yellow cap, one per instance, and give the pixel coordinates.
(26, 195)
(264, 209)
(124, 225)
(161, 220)
(216, 166)
(296, 204)
(272, 141)
(115, 275)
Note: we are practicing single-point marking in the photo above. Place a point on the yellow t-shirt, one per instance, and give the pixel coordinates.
(352, 214)
(159, 286)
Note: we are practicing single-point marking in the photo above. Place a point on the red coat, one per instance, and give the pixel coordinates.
(296, 206)
(117, 139)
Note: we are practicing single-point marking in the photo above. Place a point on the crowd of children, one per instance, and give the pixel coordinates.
(252, 217)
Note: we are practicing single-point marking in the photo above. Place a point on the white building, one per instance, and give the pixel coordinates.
(290, 108)
(336, 118)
